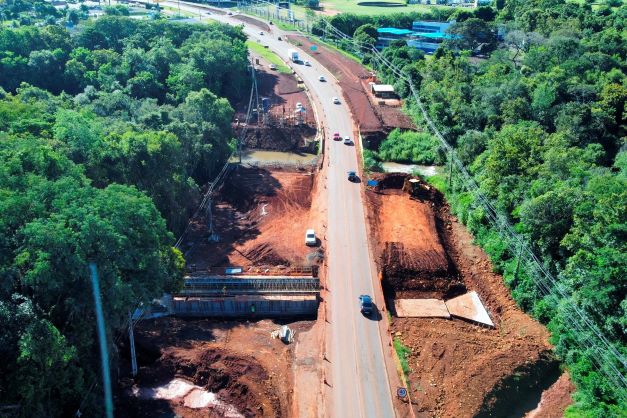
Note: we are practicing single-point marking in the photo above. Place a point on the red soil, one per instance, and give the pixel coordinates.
(236, 360)
(260, 217)
(353, 78)
(555, 399)
(457, 369)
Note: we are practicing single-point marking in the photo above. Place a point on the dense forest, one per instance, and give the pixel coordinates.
(540, 123)
(107, 129)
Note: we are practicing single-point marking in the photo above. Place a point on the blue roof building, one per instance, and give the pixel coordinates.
(426, 36)
(387, 35)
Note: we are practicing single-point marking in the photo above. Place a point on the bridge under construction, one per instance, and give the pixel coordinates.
(245, 295)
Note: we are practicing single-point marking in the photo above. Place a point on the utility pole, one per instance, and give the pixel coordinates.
(520, 250)
(131, 338)
(450, 171)
(102, 338)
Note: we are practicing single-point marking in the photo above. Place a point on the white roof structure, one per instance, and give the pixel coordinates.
(383, 88)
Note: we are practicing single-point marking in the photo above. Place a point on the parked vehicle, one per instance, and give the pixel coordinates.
(347, 140)
(261, 33)
(307, 64)
(321, 78)
(365, 305)
(272, 67)
(310, 237)
(336, 136)
(352, 176)
(336, 100)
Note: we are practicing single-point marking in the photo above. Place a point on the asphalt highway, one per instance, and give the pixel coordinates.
(359, 381)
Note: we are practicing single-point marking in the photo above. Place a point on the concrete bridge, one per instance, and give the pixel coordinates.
(247, 296)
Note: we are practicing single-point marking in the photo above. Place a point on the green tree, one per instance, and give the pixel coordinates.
(472, 34)
(365, 37)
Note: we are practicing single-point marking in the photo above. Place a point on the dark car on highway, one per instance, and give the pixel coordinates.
(365, 305)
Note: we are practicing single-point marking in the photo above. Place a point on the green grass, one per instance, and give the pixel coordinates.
(269, 56)
(351, 6)
(402, 352)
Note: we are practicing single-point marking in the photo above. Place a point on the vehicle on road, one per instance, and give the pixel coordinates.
(365, 305)
(307, 64)
(347, 140)
(230, 13)
(336, 136)
(352, 176)
(272, 67)
(321, 78)
(261, 33)
(293, 54)
(310, 237)
(279, 38)
(336, 100)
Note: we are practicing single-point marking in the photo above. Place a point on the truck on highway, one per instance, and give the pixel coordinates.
(293, 54)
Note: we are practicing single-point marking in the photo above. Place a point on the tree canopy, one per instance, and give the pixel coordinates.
(105, 135)
(540, 123)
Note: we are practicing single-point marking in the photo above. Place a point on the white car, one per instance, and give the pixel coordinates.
(336, 100)
(261, 33)
(321, 78)
(307, 64)
(347, 140)
(272, 67)
(299, 105)
(310, 238)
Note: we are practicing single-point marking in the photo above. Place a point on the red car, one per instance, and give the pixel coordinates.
(337, 137)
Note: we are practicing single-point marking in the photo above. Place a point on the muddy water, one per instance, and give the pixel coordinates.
(192, 396)
(269, 157)
(425, 170)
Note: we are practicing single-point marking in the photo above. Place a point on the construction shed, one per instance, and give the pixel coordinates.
(383, 91)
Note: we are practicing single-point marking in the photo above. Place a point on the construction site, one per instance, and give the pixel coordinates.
(247, 337)
(451, 311)
(249, 277)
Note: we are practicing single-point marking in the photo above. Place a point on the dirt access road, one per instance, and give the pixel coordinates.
(358, 380)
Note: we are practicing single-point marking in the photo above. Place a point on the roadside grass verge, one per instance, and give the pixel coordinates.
(352, 6)
(269, 56)
(402, 352)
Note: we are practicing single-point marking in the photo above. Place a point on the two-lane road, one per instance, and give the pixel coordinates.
(359, 384)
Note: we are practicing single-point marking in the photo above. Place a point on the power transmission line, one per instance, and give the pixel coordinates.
(585, 329)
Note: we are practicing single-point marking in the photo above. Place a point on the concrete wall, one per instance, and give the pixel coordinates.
(246, 307)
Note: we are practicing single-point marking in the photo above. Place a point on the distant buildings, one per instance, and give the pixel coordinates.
(387, 35)
(424, 35)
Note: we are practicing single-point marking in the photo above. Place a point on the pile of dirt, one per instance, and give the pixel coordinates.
(410, 253)
(289, 138)
(457, 368)
(411, 272)
(237, 361)
(259, 218)
(238, 381)
(460, 370)
(389, 180)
